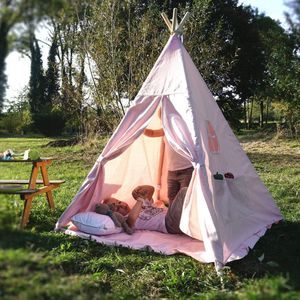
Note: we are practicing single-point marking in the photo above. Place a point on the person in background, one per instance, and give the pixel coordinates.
(180, 169)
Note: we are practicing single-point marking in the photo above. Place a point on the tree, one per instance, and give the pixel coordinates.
(37, 79)
(66, 27)
(288, 74)
(17, 118)
(52, 75)
(121, 42)
(277, 52)
(223, 40)
(8, 17)
(118, 42)
(44, 91)
(13, 12)
(293, 19)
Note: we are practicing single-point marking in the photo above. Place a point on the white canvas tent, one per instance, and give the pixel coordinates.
(222, 219)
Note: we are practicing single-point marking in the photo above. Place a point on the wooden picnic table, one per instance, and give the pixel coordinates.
(33, 187)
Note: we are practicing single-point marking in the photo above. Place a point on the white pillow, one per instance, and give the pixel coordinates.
(93, 223)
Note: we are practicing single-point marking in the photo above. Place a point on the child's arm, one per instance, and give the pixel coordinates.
(134, 213)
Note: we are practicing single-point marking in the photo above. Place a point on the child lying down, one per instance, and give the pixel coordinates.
(144, 215)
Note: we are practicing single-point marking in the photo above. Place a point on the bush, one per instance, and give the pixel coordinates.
(50, 123)
(17, 122)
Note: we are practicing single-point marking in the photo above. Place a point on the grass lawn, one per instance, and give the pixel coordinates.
(38, 263)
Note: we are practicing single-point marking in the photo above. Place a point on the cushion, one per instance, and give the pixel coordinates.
(93, 223)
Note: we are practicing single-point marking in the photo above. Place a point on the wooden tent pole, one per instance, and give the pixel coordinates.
(167, 21)
(184, 19)
(174, 20)
(174, 27)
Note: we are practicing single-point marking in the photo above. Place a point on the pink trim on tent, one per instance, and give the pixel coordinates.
(213, 143)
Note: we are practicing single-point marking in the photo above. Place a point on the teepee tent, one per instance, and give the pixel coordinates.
(226, 208)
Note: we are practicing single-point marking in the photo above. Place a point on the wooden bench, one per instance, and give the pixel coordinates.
(33, 187)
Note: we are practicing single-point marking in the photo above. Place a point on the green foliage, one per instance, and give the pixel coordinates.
(288, 71)
(293, 19)
(18, 118)
(38, 263)
(5, 16)
(123, 39)
(37, 80)
(229, 57)
(13, 12)
(48, 118)
(50, 122)
(247, 59)
(52, 75)
(16, 122)
(232, 67)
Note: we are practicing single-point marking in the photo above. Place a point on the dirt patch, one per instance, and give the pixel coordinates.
(62, 143)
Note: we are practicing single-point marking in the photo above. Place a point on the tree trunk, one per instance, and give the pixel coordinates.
(3, 53)
(251, 114)
(267, 112)
(245, 114)
(261, 117)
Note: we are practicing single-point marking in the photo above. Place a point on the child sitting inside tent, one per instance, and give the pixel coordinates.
(144, 215)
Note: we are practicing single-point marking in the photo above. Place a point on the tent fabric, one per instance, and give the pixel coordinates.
(167, 244)
(226, 215)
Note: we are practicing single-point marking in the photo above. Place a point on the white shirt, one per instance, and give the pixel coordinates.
(151, 218)
(175, 160)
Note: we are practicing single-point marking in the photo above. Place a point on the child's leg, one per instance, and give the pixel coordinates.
(184, 177)
(174, 212)
(173, 186)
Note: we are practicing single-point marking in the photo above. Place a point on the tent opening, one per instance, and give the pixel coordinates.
(145, 161)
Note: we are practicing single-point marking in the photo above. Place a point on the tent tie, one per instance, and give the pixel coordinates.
(101, 158)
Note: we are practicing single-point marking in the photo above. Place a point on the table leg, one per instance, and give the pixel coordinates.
(26, 211)
(49, 194)
(33, 177)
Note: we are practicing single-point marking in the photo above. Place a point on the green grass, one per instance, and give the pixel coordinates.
(38, 263)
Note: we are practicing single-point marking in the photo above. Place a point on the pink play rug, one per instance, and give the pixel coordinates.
(150, 240)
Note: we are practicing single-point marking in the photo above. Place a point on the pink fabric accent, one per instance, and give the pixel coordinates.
(212, 139)
(225, 214)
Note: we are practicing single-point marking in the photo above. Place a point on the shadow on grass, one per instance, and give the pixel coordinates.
(265, 135)
(17, 238)
(62, 142)
(73, 255)
(276, 253)
(278, 160)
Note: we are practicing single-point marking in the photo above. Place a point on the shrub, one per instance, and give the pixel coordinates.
(17, 122)
(50, 123)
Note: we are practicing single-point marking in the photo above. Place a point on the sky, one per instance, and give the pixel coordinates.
(18, 67)
(272, 8)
